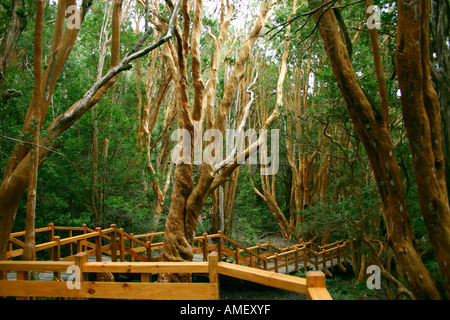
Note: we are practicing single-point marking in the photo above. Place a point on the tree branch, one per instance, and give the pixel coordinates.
(84, 104)
(240, 128)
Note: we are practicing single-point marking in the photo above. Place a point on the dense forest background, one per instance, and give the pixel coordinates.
(113, 165)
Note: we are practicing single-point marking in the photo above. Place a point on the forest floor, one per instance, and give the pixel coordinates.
(341, 287)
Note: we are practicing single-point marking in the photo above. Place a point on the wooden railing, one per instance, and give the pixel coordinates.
(313, 285)
(271, 258)
(65, 242)
(305, 254)
(113, 241)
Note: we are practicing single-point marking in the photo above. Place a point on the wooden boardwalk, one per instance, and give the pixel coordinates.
(48, 276)
(98, 254)
(198, 257)
(114, 244)
(312, 285)
(291, 267)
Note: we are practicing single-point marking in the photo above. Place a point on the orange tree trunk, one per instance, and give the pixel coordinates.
(421, 114)
(187, 200)
(375, 137)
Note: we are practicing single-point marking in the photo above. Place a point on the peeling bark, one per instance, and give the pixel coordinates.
(382, 90)
(380, 151)
(421, 114)
(187, 201)
(440, 32)
(29, 244)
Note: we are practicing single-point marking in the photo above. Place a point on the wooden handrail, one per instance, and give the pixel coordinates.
(22, 233)
(146, 267)
(122, 243)
(154, 234)
(256, 256)
(267, 278)
(208, 236)
(285, 253)
(57, 266)
(79, 237)
(315, 282)
(68, 228)
(313, 285)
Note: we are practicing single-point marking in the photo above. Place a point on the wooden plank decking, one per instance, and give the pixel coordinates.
(109, 245)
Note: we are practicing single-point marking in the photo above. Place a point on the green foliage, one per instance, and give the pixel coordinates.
(342, 218)
(345, 288)
(65, 183)
(251, 219)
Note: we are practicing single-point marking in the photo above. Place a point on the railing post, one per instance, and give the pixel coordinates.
(337, 258)
(287, 264)
(113, 244)
(51, 234)
(70, 244)
(343, 252)
(121, 245)
(98, 245)
(80, 259)
(79, 246)
(145, 277)
(84, 232)
(324, 259)
(149, 248)
(276, 262)
(22, 275)
(213, 260)
(205, 247)
(305, 258)
(314, 279)
(259, 254)
(316, 260)
(131, 247)
(98, 249)
(10, 247)
(220, 245)
(57, 249)
(339, 253)
(3, 274)
(57, 254)
(149, 251)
